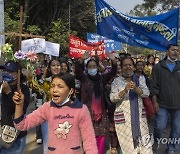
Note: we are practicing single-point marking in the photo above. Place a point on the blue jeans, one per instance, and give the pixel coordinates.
(38, 132)
(161, 123)
(17, 147)
(44, 131)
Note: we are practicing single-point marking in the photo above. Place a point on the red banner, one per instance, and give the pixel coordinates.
(78, 47)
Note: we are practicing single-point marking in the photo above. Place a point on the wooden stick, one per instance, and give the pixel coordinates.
(18, 80)
(20, 26)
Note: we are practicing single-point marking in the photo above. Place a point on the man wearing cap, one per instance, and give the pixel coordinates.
(9, 86)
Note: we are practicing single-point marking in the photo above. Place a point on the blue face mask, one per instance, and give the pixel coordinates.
(7, 77)
(92, 72)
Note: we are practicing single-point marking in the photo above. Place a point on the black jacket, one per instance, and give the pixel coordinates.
(8, 106)
(166, 85)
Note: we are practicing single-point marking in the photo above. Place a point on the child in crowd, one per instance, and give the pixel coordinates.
(53, 68)
(70, 127)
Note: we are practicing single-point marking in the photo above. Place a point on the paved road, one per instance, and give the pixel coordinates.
(33, 148)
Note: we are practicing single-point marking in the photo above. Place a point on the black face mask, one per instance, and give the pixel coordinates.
(7, 77)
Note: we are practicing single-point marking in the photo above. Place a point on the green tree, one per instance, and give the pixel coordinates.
(39, 17)
(12, 23)
(139, 51)
(161, 5)
(59, 33)
(141, 11)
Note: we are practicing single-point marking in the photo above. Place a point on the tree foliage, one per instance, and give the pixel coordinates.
(59, 33)
(161, 5)
(44, 17)
(141, 11)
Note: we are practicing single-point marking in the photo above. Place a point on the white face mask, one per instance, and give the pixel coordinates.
(171, 60)
(65, 101)
(92, 72)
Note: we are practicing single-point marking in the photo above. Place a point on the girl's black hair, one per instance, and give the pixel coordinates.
(147, 80)
(139, 61)
(68, 78)
(49, 67)
(97, 63)
(147, 63)
(65, 62)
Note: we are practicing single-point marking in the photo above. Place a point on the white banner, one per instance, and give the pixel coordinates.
(37, 44)
(52, 49)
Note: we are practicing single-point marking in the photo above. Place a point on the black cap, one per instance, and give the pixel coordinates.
(10, 66)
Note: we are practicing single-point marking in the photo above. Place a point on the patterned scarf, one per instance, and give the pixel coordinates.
(96, 106)
(134, 107)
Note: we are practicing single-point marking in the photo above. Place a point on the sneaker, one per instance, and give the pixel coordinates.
(39, 141)
(170, 152)
(155, 146)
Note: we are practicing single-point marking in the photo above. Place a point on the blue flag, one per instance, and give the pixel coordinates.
(154, 32)
(110, 45)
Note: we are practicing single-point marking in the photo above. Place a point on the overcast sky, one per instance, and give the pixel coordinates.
(124, 6)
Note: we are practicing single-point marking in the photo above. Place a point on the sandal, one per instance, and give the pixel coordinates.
(113, 151)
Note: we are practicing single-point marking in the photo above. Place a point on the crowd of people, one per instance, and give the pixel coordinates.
(80, 101)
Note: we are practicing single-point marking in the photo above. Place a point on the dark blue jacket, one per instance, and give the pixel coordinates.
(166, 85)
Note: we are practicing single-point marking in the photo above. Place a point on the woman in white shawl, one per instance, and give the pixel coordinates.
(131, 126)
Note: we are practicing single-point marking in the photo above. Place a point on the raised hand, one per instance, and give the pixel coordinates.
(129, 86)
(156, 107)
(111, 56)
(85, 56)
(18, 98)
(5, 87)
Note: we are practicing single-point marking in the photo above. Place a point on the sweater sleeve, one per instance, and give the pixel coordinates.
(87, 132)
(33, 119)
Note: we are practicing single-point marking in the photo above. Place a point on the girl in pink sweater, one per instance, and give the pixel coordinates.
(70, 127)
